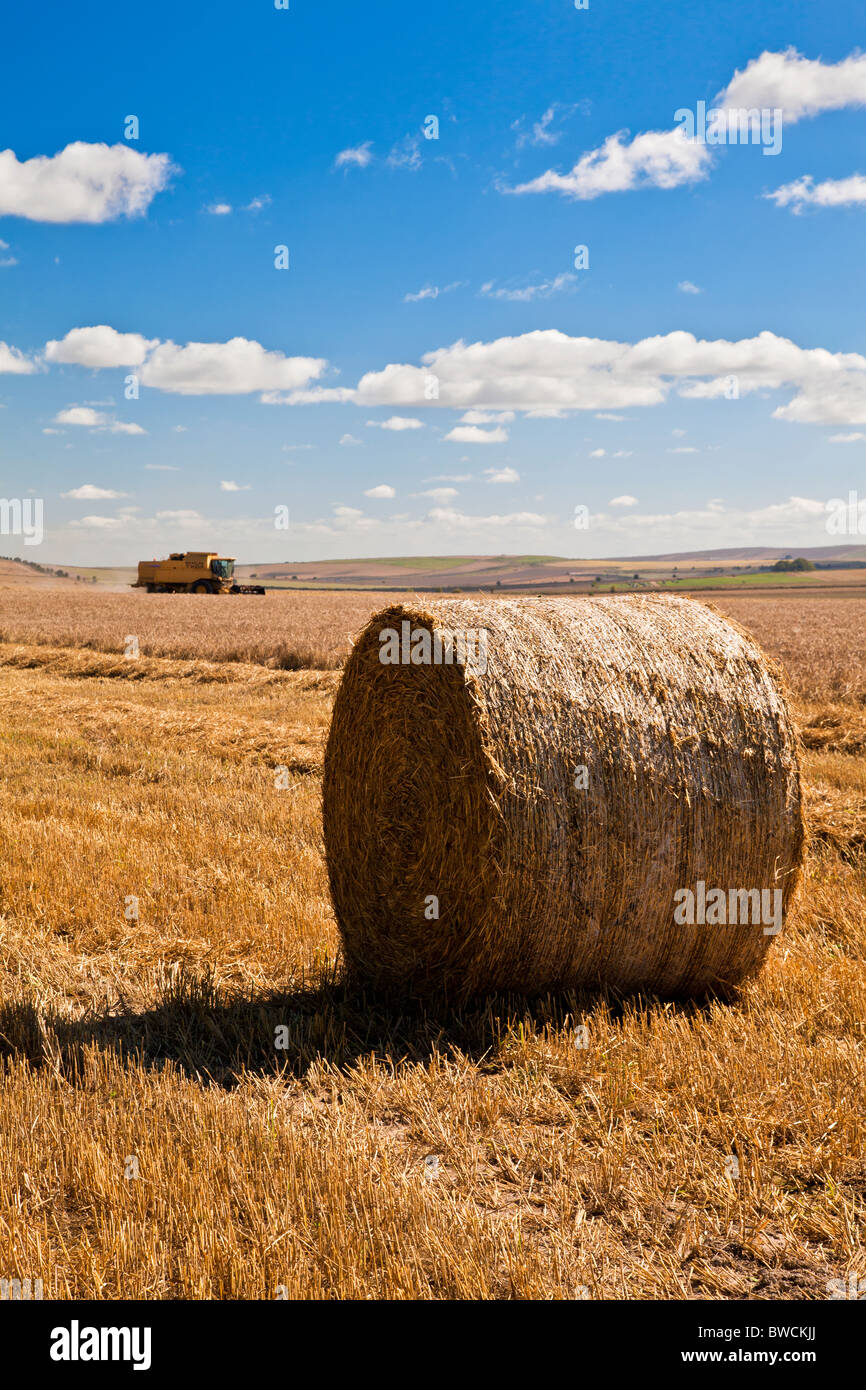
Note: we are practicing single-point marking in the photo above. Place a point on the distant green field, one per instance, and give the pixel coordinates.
(768, 579)
(474, 572)
(419, 562)
(781, 579)
(450, 562)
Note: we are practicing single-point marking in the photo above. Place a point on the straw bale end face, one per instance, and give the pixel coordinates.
(540, 793)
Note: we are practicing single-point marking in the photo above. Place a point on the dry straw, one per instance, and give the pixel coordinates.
(551, 802)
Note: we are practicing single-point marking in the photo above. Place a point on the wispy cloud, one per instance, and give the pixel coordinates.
(357, 156)
(541, 290)
(486, 417)
(441, 494)
(432, 292)
(547, 130)
(406, 154)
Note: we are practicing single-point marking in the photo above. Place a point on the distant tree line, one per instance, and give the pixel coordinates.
(785, 566)
(47, 569)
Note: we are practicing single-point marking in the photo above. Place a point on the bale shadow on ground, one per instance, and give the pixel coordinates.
(218, 1037)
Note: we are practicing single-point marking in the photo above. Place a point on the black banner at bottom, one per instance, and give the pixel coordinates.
(62, 1339)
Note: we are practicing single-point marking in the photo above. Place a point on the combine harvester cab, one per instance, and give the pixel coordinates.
(191, 572)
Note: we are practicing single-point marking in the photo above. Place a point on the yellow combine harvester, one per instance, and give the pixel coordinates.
(191, 572)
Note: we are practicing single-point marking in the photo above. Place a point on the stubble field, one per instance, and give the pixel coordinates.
(164, 912)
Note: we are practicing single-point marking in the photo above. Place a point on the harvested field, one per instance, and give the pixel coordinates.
(284, 631)
(819, 639)
(159, 1138)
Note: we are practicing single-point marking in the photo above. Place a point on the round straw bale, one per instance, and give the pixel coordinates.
(536, 814)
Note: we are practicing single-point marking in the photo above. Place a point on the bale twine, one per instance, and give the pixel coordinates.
(536, 817)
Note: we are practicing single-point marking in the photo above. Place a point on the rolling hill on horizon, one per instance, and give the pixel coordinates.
(839, 566)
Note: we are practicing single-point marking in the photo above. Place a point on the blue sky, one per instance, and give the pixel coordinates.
(412, 258)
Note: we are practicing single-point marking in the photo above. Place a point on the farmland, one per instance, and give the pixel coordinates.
(817, 635)
(833, 567)
(164, 913)
(283, 631)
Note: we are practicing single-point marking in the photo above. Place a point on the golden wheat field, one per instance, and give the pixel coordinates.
(818, 637)
(196, 1105)
(281, 630)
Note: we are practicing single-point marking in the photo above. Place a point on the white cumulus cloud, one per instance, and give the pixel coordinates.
(100, 523)
(800, 86)
(234, 368)
(82, 183)
(474, 434)
(657, 159)
(832, 193)
(88, 418)
(788, 81)
(88, 492)
(100, 346)
(547, 369)
(382, 491)
(15, 362)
